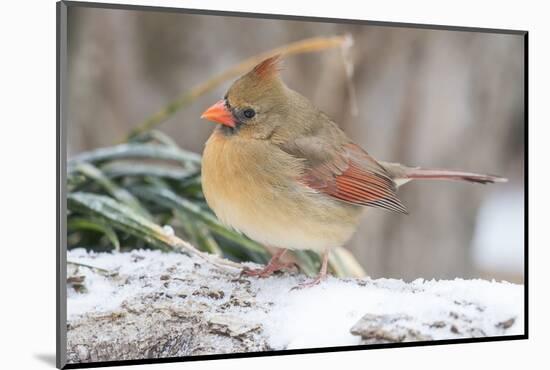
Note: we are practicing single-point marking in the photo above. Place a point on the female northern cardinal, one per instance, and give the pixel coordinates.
(283, 173)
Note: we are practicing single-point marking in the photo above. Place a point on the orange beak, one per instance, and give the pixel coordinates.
(220, 114)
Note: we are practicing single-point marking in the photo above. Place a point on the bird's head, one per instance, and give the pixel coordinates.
(252, 101)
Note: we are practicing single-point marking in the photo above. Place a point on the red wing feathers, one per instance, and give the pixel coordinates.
(355, 177)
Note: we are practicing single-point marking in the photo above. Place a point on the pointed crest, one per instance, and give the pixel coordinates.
(269, 67)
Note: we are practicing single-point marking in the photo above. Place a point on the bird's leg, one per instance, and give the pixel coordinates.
(275, 264)
(322, 274)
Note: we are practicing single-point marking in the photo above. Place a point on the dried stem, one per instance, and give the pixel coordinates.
(99, 270)
(217, 261)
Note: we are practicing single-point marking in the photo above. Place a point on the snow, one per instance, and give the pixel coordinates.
(106, 294)
(315, 317)
(322, 316)
(168, 230)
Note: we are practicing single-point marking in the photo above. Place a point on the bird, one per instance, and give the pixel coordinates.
(280, 171)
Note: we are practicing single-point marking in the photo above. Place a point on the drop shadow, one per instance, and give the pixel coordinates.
(47, 358)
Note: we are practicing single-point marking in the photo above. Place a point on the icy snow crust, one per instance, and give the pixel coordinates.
(315, 317)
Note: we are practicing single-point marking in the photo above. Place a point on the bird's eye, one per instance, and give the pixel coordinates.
(249, 113)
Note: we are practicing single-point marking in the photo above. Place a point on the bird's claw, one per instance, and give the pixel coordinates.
(309, 284)
(268, 270)
(265, 272)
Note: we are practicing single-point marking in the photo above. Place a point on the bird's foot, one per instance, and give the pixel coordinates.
(268, 270)
(274, 265)
(310, 283)
(322, 275)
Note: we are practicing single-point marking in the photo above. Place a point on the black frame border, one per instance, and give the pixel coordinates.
(61, 127)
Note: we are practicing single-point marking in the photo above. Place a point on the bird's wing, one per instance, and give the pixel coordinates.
(347, 173)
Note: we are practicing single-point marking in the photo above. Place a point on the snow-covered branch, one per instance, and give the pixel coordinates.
(148, 304)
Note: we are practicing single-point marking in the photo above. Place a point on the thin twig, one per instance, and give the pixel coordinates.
(349, 70)
(217, 261)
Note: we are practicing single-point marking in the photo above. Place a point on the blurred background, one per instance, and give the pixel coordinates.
(434, 98)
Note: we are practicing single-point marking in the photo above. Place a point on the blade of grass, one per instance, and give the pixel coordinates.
(130, 168)
(344, 264)
(117, 192)
(156, 135)
(121, 217)
(309, 262)
(138, 150)
(310, 45)
(90, 223)
(75, 180)
(200, 234)
(191, 187)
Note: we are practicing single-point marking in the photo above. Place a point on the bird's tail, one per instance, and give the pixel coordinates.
(403, 174)
(438, 174)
